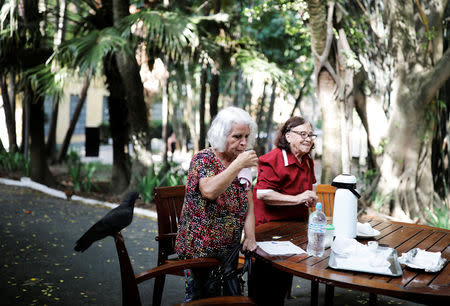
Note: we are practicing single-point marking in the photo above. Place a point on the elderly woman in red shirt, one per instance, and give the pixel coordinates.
(283, 192)
(286, 175)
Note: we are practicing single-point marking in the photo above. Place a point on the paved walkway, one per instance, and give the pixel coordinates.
(39, 266)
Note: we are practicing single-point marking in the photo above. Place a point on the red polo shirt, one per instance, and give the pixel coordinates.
(280, 171)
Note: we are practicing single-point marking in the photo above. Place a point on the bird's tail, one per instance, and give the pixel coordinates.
(83, 244)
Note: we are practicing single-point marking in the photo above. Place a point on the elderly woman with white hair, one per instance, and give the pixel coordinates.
(217, 206)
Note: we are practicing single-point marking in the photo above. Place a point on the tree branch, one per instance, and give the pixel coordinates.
(323, 58)
(433, 80)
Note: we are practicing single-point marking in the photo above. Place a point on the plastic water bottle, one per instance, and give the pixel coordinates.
(316, 232)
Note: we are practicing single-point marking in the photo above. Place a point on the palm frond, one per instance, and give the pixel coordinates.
(87, 52)
(9, 9)
(170, 32)
(47, 80)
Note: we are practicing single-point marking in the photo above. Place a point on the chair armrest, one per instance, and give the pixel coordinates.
(177, 266)
(166, 236)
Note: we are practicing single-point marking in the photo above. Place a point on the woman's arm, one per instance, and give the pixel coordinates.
(308, 197)
(213, 186)
(249, 225)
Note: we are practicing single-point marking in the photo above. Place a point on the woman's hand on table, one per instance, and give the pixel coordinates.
(309, 198)
(249, 245)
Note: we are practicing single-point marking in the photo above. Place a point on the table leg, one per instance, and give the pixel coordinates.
(314, 293)
(329, 295)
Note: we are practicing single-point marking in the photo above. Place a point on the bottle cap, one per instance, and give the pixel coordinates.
(330, 227)
(318, 206)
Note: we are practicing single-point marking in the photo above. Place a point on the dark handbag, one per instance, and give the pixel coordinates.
(226, 280)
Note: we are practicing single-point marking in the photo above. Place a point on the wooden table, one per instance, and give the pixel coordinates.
(414, 285)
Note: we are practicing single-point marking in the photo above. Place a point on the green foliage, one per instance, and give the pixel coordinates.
(253, 63)
(14, 162)
(48, 81)
(368, 176)
(169, 32)
(380, 149)
(80, 174)
(378, 200)
(277, 29)
(438, 216)
(87, 52)
(172, 177)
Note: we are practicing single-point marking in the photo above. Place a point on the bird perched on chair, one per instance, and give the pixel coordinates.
(112, 223)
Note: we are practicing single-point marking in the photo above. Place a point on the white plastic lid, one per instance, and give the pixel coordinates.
(345, 178)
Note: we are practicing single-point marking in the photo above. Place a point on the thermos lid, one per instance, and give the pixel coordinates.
(345, 178)
(346, 181)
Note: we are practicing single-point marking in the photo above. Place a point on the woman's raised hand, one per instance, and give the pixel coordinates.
(247, 159)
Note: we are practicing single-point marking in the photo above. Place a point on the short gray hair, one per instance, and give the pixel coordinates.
(222, 124)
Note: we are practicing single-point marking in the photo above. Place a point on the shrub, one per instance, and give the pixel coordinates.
(175, 175)
(80, 174)
(10, 161)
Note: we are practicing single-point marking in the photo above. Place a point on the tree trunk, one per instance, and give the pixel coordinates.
(26, 127)
(203, 80)
(119, 128)
(74, 119)
(405, 184)
(137, 115)
(12, 100)
(214, 92)
(326, 83)
(260, 148)
(39, 171)
(165, 114)
(238, 97)
(51, 141)
(189, 110)
(299, 97)
(61, 7)
(9, 116)
(269, 120)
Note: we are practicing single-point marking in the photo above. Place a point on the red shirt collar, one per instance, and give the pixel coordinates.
(290, 158)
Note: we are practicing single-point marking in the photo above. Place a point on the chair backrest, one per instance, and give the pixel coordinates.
(169, 203)
(326, 197)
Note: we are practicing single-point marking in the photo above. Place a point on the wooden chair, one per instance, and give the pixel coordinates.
(169, 203)
(325, 194)
(130, 281)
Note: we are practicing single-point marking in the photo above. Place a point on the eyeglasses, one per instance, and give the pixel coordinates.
(304, 135)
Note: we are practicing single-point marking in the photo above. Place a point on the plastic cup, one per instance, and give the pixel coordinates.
(373, 246)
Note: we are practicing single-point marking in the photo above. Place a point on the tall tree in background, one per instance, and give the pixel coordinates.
(37, 53)
(137, 111)
(326, 79)
(400, 45)
(406, 179)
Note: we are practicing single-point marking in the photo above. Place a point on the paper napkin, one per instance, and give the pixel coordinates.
(280, 248)
(245, 177)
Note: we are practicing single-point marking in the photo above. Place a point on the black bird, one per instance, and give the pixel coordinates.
(113, 222)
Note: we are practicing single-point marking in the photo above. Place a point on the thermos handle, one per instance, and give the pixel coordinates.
(350, 187)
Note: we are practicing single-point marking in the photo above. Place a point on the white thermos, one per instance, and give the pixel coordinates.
(345, 206)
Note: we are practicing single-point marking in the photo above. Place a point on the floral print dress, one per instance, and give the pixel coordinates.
(208, 228)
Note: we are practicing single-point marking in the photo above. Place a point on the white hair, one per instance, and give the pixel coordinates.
(222, 124)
